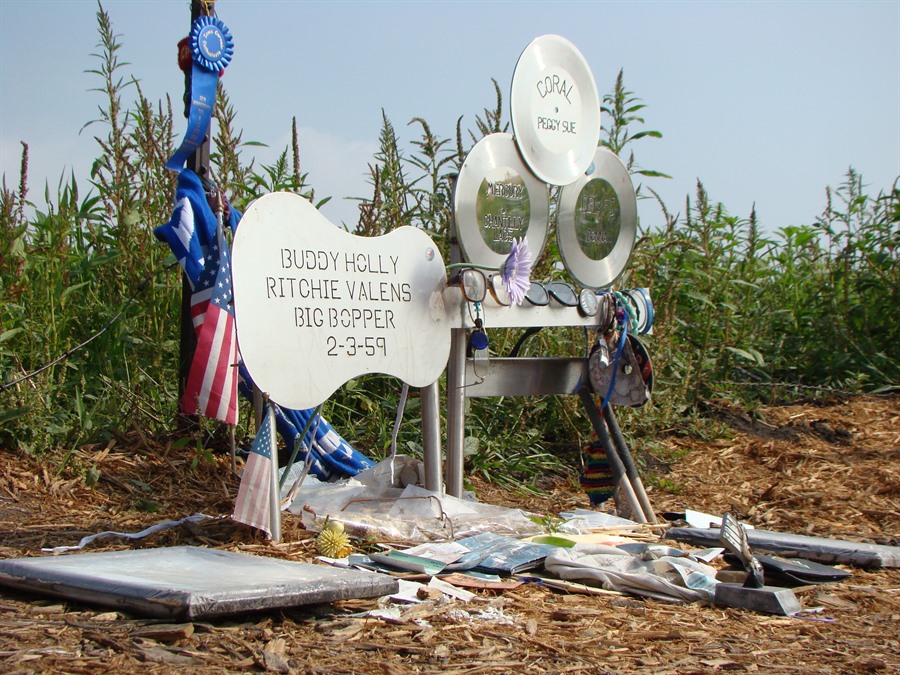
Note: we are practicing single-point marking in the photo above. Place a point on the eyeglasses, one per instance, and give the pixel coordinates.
(539, 294)
(475, 285)
(589, 303)
(563, 293)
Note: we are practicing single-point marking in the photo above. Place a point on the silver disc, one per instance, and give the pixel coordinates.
(597, 222)
(497, 199)
(555, 110)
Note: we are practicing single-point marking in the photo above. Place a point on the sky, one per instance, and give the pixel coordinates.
(766, 103)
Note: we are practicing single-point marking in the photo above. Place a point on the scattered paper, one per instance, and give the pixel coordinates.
(452, 591)
(704, 520)
(409, 591)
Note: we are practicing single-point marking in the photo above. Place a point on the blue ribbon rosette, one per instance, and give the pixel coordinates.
(212, 47)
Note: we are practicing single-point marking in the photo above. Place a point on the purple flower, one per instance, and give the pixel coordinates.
(516, 271)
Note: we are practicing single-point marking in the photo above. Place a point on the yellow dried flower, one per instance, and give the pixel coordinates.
(332, 541)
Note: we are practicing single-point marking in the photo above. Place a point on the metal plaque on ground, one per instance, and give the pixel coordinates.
(555, 110)
(189, 582)
(597, 222)
(497, 199)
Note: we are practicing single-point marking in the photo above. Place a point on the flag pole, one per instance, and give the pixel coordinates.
(198, 162)
(275, 488)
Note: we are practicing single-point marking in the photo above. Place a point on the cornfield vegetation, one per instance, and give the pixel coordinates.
(742, 314)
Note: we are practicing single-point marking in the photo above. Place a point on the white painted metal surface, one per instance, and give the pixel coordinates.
(317, 306)
(555, 110)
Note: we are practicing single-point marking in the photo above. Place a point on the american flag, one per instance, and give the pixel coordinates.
(192, 228)
(257, 502)
(211, 388)
(205, 286)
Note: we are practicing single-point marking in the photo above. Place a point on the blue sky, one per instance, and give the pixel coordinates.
(765, 102)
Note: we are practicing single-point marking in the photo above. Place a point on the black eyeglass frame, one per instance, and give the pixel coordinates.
(563, 292)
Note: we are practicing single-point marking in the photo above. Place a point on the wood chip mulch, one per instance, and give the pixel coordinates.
(829, 470)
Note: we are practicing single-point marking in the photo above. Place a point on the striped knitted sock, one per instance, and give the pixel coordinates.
(596, 478)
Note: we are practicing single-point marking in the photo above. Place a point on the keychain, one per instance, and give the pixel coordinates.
(478, 340)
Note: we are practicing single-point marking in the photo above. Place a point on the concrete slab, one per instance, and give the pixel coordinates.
(189, 582)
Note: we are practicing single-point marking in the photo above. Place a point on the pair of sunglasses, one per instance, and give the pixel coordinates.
(540, 294)
(565, 294)
(475, 285)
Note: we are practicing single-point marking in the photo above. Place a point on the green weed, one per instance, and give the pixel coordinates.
(742, 315)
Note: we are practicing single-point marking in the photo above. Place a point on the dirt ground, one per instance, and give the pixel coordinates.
(830, 470)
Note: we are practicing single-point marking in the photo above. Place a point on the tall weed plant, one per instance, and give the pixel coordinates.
(741, 313)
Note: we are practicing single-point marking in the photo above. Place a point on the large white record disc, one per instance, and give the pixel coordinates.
(555, 110)
(497, 199)
(597, 222)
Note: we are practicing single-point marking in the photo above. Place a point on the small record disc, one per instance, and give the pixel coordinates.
(597, 222)
(555, 109)
(497, 199)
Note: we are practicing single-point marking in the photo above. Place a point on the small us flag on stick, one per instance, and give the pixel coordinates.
(257, 502)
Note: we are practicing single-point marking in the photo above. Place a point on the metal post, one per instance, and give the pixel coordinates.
(456, 380)
(615, 462)
(431, 437)
(630, 469)
(199, 164)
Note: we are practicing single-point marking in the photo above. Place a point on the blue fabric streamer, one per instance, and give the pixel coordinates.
(192, 229)
(332, 456)
(615, 365)
(203, 99)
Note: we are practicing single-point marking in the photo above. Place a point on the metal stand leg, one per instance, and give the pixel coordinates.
(633, 510)
(630, 468)
(431, 437)
(456, 379)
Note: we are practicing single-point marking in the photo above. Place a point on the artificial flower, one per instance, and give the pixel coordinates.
(516, 271)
